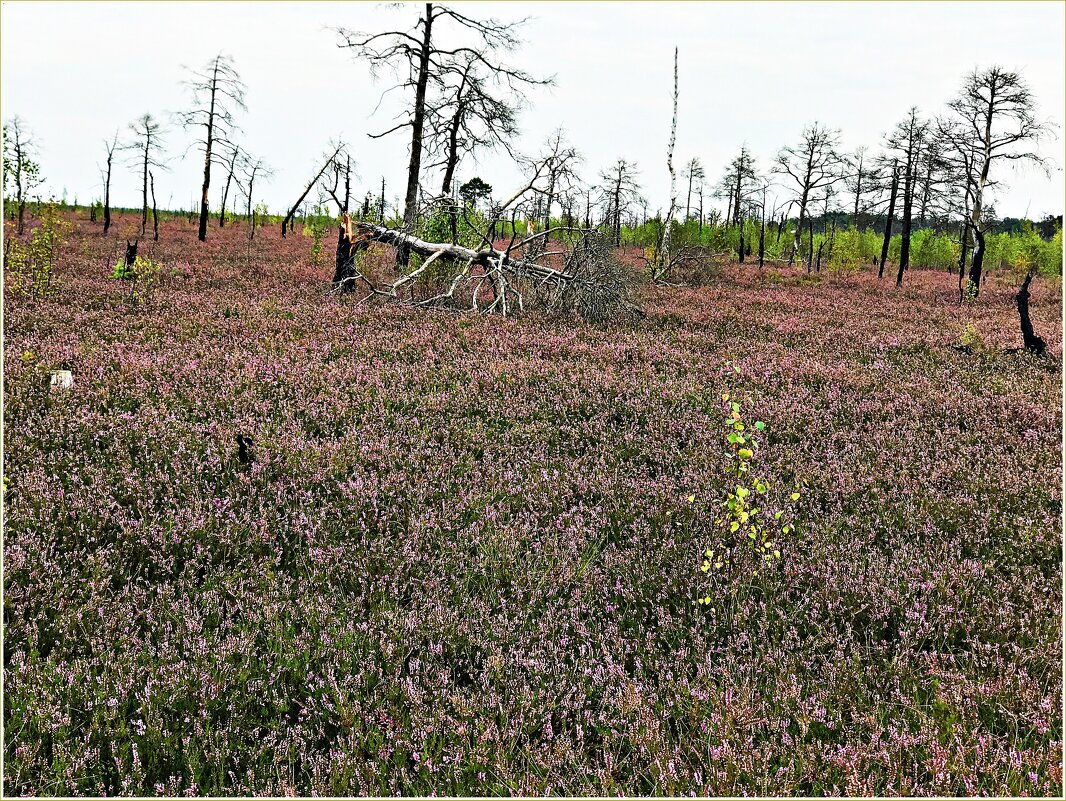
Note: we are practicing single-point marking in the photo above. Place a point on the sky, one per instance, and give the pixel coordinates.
(750, 74)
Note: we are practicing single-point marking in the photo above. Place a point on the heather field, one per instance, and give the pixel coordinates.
(463, 554)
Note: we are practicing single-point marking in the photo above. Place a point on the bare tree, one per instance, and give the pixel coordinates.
(559, 162)
(893, 193)
(155, 211)
(863, 178)
(338, 148)
(20, 151)
(812, 164)
(217, 92)
(993, 120)
(146, 145)
(618, 190)
(425, 63)
(235, 155)
(251, 171)
(663, 265)
(693, 173)
(111, 147)
(475, 109)
(906, 141)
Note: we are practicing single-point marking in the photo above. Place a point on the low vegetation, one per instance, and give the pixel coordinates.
(273, 541)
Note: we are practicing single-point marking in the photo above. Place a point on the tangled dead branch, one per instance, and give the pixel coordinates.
(589, 283)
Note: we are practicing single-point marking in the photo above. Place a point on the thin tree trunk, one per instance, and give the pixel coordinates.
(762, 236)
(144, 187)
(810, 245)
(414, 166)
(908, 205)
(888, 221)
(208, 143)
(107, 197)
(155, 213)
(225, 192)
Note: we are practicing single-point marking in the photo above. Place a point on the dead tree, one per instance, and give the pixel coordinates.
(338, 148)
(861, 180)
(993, 120)
(234, 156)
(146, 145)
(888, 219)
(155, 211)
(660, 270)
(251, 170)
(738, 184)
(106, 175)
(20, 150)
(217, 92)
(906, 141)
(345, 261)
(581, 277)
(590, 284)
(475, 110)
(560, 161)
(426, 65)
(693, 172)
(812, 164)
(618, 190)
(1032, 343)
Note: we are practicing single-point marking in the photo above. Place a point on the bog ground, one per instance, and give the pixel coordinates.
(464, 559)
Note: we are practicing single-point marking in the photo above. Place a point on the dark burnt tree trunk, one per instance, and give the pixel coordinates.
(964, 237)
(418, 122)
(346, 274)
(1033, 344)
(209, 142)
(762, 237)
(888, 221)
(144, 187)
(225, 191)
(908, 207)
(289, 220)
(978, 261)
(155, 211)
(107, 184)
(810, 244)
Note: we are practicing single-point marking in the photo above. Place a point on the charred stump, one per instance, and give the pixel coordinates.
(346, 273)
(1033, 344)
(131, 254)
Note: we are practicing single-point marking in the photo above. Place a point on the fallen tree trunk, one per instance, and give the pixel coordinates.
(591, 284)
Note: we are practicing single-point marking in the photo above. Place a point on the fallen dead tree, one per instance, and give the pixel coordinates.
(589, 283)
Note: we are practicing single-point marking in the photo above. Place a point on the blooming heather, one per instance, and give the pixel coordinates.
(460, 556)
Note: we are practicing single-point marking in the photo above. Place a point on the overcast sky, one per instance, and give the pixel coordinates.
(751, 73)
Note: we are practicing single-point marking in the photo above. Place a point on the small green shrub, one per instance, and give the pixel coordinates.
(30, 266)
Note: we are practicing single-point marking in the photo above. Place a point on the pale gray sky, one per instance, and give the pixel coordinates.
(751, 73)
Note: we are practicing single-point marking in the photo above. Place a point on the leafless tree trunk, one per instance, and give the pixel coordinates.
(813, 164)
(217, 92)
(148, 141)
(307, 190)
(225, 192)
(994, 115)
(111, 147)
(888, 220)
(658, 272)
(1032, 343)
(155, 212)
